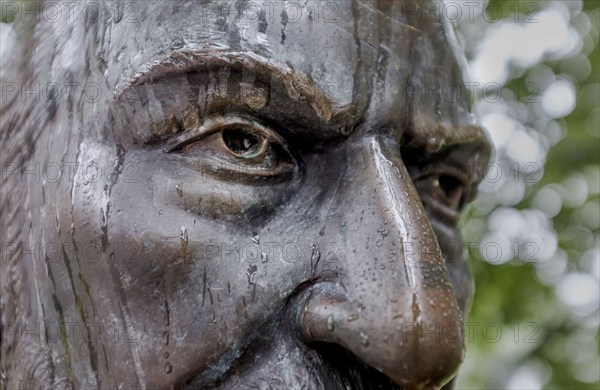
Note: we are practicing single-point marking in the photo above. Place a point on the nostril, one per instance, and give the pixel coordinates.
(323, 313)
(377, 337)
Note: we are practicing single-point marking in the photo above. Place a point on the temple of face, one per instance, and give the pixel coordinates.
(251, 195)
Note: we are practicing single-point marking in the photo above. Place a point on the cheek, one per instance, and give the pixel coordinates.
(192, 282)
(145, 271)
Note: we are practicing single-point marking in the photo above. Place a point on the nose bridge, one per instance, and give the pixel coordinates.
(399, 206)
(394, 307)
(419, 263)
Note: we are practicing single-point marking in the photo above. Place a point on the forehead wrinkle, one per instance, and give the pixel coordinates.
(380, 14)
(390, 28)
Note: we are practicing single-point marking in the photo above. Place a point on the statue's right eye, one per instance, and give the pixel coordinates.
(239, 147)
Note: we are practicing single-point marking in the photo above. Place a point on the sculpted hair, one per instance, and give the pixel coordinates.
(25, 115)
(20, 128)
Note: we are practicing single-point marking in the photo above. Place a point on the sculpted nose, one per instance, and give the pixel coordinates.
(393, 306)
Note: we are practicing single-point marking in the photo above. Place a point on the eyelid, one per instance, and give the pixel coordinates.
(215, 124)
(454, 171)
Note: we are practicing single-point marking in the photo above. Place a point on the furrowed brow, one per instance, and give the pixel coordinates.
(297, 86)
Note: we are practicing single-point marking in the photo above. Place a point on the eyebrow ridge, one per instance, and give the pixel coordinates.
(298, 85)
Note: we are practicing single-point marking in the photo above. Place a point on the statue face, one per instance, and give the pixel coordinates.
(264, 195)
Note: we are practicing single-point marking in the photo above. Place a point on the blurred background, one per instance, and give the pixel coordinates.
(533, 234)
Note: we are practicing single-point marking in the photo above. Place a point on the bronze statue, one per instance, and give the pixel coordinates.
(234, 194)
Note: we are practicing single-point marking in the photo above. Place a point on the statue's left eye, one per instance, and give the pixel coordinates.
(238, 148)
(449, 190)
(443, 194)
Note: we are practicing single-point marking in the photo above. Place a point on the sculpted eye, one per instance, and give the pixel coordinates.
(444, 194)
(238, 148)
(449, 190)
(243, 143)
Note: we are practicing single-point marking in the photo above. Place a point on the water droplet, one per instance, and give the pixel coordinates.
(264, 258)
(256, 239)
(330, 324)
(345, 130)
(179, 188)
(104, 208)
(364, 339)
(166, 355)
(183, 236)
(352, 317)
(168, 368)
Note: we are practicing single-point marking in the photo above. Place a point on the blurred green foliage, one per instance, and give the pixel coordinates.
(549, 337)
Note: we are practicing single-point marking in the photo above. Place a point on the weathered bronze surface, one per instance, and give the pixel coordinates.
(251, 195)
